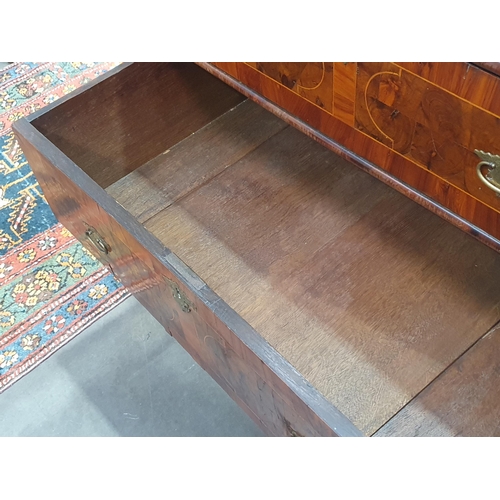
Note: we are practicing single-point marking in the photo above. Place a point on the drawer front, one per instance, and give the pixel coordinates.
(278, 399)
(421, 123)
(427, 124)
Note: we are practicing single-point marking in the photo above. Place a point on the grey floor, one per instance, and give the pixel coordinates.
(122, 376)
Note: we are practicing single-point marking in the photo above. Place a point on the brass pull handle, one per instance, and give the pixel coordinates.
(180, 297)
(97, 240)
(492, 177)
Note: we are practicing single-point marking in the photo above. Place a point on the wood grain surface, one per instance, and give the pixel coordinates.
(465, 80)
(427, 124)
(312, 81)
(195, 160)
(367, 294)
(492, 67)
(138, 113)
(462, 401)
(344, 91)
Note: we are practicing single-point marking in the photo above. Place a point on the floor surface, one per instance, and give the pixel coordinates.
(122, 376)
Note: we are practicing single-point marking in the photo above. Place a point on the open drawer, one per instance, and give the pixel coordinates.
(320, 299)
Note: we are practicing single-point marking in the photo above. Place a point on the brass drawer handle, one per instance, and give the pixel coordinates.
(492, 177)
(97, 240)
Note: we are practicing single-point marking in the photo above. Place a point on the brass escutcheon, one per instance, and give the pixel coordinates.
(180, 297)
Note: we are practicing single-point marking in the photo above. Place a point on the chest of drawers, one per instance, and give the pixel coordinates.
(324, 301)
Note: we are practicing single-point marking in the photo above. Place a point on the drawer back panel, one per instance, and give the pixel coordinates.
(125, 120)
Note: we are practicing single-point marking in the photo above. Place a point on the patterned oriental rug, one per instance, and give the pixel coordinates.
(51, 288)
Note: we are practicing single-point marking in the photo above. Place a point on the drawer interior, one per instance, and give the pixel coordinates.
(368, 295)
